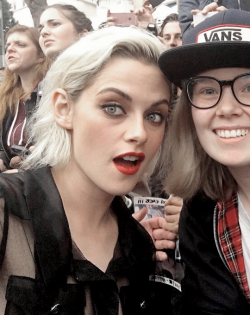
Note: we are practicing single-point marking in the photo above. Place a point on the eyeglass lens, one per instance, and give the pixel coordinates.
(204, 92)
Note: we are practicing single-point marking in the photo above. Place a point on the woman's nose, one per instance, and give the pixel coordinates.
(228, 105)
(10, 47)
(44, 31)
(136, 131)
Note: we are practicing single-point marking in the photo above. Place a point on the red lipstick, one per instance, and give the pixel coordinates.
(129, 163)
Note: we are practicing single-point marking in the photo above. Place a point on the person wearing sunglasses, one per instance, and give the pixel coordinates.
(208, 162)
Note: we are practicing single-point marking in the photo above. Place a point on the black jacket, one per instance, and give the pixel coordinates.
(39, 260)
(30, 105)
(208, 286)
(185, 7)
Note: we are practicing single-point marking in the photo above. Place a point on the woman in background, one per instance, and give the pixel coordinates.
(61, 25)
(26, 66)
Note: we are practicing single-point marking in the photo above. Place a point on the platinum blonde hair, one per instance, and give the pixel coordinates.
(74, 70)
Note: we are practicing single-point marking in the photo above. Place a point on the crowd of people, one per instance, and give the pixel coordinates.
(89, 119)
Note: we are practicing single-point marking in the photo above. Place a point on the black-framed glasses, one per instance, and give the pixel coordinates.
(205, 92)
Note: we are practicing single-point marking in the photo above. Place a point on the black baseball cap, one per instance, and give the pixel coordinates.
(220, 41)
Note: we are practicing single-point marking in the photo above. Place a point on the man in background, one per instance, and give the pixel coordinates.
(170, 34)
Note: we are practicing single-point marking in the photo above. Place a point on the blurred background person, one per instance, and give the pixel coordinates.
(2, 71)
(188, 8)
(26, 66)
(170, 33)
(144, 19)
(61, 25)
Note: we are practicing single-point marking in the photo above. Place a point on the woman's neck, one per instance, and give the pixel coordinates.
(92, 223)
(242, 177)
(80, 199)
(28, 83)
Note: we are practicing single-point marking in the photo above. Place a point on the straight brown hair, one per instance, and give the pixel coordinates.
(11, 90)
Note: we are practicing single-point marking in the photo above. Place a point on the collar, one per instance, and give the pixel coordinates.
(42, 205)
(51, 230)
(229, 235)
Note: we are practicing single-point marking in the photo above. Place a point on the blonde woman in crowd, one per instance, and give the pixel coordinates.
(72, 245)
(60, 26)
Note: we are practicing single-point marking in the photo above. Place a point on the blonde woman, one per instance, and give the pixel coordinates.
(73, 246)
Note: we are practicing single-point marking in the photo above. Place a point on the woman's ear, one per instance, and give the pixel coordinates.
(40, 58)
(63, 109)
(83, 33)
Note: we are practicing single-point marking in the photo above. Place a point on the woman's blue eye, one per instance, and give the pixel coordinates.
(247, 89)
(113, 110)
(209, 91)
(155, 117)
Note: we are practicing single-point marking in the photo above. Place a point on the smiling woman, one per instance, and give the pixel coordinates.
(95, 135)
(208, 162)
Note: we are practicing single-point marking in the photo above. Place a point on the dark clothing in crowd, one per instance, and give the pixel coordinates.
(185, 7)
(44, 272)
(13, 129)
(210, 286)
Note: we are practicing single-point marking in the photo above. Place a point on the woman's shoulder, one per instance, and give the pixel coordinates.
(132, 235)
(12, 192)
(18, 188)
(198, 214)
(197, 221)
(199, 202)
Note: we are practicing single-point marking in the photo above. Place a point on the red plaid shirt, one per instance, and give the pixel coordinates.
(230, 241)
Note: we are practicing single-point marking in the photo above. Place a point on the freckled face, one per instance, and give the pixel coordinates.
(57, 32)
(118, 125)
(224, 130)
(21, 53)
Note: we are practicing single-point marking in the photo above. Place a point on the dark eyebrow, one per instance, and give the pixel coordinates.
(117, 91)
(49, 21)
(163, 101)
(129, 98)
(15, 42)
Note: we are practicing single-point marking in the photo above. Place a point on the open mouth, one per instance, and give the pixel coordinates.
(127, 160)
(129, 164)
